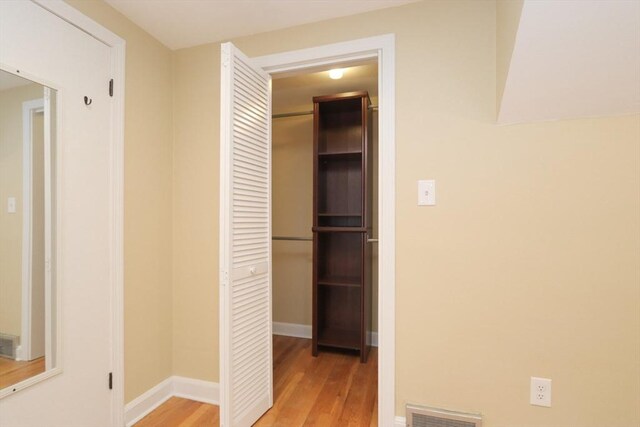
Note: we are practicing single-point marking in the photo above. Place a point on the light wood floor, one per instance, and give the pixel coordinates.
(12, 372)
(333, 389)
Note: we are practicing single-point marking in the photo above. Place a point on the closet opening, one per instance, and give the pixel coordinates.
(324, 199)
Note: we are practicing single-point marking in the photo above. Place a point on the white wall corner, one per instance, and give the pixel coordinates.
(142, 405)
(198, 390)
(400, 422)
(187, 388)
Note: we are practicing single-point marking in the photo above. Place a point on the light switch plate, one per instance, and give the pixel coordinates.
(11, 205)
(427, 192)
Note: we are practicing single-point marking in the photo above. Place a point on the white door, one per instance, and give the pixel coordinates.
(45, 47)
(246, 382)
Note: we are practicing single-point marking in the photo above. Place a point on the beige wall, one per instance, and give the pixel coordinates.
(195, 209)
(292, 197)
(528, 265)
(147, 201)
(528, 275)
(11, 186)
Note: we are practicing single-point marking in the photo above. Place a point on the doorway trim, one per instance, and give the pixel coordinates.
(383, 48)
(29, 108)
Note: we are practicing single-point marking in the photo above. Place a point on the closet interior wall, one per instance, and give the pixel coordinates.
(292, 188)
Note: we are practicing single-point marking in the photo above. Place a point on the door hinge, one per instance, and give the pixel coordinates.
(110, 380)
(225, 278)
(111, 87)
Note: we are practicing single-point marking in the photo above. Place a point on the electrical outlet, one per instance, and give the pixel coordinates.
(540, 392)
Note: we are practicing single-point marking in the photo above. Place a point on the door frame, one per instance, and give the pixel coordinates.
(383, 48)
(29, 108)
(117, 46)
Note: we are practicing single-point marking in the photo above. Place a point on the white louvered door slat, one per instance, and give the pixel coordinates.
(246, 382)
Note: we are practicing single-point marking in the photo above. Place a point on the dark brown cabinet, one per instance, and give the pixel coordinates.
(342, 223)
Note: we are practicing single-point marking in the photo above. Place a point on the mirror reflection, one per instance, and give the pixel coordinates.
(26, 237)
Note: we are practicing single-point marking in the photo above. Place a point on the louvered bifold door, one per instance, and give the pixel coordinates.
(245, 241)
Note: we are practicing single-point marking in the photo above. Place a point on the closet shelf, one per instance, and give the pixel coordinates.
(352, 282)
(341, 154)
(339, 229)
(341, 338)
(358, 215)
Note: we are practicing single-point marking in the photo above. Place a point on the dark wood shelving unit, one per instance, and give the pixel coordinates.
(341, 223)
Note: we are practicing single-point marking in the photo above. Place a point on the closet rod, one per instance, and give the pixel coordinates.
(301, 239)
(306, 113)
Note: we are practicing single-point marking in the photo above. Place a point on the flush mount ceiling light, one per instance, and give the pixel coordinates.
(336, 73)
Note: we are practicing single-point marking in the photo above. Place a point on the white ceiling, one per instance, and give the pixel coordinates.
(295, 93)
(184, 23)
(574, 59)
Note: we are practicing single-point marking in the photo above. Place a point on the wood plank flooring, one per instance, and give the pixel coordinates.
(12, 372)
(333, 389)
(182, 412)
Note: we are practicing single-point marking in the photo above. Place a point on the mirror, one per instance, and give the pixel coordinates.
(27, 297)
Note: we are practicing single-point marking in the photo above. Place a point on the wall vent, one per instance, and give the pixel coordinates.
(8, 345)
(422, 416)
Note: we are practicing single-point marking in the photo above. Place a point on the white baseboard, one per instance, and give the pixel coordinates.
(188, 388)
(292, 330)
(198, 390)
(400, 422)
(139, 407)
(19, 355)
(304, 331)
(373, 339)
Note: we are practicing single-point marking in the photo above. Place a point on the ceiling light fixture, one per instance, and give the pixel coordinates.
(336, 73)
